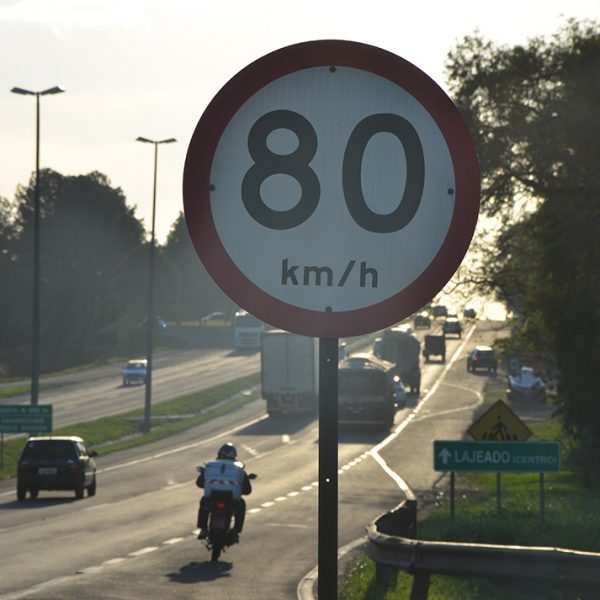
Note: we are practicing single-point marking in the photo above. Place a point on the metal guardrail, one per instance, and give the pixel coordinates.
(393, 547)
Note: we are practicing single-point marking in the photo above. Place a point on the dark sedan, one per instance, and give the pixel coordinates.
(482, 357)
(56, 463)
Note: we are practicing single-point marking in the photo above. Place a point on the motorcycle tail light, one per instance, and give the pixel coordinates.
(220, 505)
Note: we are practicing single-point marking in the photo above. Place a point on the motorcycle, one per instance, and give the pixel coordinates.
(220, 535)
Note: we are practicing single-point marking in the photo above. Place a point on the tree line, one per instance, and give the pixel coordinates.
(533, 112)
(94, 256)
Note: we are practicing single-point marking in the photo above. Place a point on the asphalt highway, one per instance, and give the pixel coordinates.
(137, 537)
(100, 392)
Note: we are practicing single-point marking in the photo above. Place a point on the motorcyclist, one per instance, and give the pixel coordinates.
(225, 473)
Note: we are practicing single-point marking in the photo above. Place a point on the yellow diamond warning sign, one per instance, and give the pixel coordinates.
(499, 424)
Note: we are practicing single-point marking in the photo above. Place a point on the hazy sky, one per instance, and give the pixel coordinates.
(148, 68)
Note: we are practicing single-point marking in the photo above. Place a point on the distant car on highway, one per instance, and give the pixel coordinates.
(135, 371)
(422, 321)
(526, 385)
(439, 311)
(452, 326)
(377, 347)
(56, 463)
(482, 357)
(435, 345)
(159, 322)
(213, 317)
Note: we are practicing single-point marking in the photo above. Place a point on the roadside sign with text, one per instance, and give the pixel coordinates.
(331, 188)
(25, 418)
(500, 424)
(496, 457)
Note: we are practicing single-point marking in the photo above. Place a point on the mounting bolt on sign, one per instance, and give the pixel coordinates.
(331, 188)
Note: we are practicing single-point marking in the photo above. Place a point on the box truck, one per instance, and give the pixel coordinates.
(289, 372)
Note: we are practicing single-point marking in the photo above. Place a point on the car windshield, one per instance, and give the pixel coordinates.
(54, 449)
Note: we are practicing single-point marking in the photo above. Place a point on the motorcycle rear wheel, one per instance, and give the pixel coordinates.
(215, 553)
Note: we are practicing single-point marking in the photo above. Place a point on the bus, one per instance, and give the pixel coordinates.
(247, 331)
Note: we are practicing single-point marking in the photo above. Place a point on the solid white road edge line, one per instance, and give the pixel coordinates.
(307, 583)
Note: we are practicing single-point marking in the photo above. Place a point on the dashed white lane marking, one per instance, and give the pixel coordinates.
(183, 448)
(143, 551)
(89, 570)
(170, 542)
(172, 485)
(250, 450)
(306, 585)
(114, 561)
(306, 488)
(97, 506)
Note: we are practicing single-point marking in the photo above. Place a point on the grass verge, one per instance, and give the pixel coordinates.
(571, 521)
(19, 390)
(118, 432)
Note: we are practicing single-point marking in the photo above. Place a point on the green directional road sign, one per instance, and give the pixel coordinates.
(496, 457)
(25, 418)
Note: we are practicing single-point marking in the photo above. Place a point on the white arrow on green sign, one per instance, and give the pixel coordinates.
(496, 457)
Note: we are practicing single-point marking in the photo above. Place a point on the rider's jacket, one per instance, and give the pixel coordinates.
(225, 475)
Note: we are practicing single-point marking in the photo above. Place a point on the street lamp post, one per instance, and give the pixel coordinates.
(150, 323)
(35, 344)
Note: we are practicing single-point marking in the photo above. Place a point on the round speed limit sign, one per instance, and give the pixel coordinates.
(331, 188)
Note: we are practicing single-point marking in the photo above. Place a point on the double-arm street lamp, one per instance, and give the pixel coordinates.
(35, 345)
(150, 323)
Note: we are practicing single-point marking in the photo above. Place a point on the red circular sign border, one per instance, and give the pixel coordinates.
(196, 188)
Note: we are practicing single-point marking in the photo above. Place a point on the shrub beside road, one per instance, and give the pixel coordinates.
(572, 520)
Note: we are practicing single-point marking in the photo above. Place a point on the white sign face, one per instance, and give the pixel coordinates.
(328, 199)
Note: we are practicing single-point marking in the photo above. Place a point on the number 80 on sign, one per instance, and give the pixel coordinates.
(331, 200)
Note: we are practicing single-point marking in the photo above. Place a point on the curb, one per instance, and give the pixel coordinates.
(305, 590)
(306, 587)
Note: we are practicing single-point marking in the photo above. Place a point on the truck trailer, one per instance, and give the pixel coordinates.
(247, 331)
(289, 372)
(400, 347)
(366, 392)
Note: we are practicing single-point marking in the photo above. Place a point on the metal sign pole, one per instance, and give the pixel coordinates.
(542, 508)
(328, 467)
(498, 493)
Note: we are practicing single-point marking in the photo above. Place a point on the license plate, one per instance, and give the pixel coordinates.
(47, 470)
(218, 522)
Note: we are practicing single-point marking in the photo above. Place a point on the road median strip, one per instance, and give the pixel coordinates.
(122, 431)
